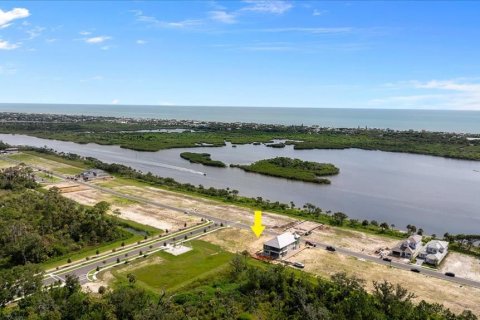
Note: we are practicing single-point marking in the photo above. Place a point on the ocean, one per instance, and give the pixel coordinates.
(431, 120)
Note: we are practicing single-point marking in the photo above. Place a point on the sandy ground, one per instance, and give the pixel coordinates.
(237, 240)
(130, 210)
(217, 209)
(46, 164)
(462, 265)
(5, 164)
(323, 263)
(353, 240)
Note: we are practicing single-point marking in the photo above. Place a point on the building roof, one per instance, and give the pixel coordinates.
(415, 238)
(438, 244)
(282, 241)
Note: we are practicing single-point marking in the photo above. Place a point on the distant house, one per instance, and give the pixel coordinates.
(93, 174)
(408, 248)
(434, 252)
(9, 151)
(280, 245)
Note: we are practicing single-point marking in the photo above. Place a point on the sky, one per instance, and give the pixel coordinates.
(341, 54)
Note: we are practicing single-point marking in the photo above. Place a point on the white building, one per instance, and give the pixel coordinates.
(280, 245)
(434, 252)
(408, 248)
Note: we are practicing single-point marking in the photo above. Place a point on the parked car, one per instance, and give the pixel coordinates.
(299, 265)
(309, 243)
(387, 259)
(330, 248)
(415, 270)
(450, 274)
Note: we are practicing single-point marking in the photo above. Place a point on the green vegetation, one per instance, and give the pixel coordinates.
(175, 272)
(294, 169)
(112, 131)
(203, 158)
(243, 291)
(36, 226)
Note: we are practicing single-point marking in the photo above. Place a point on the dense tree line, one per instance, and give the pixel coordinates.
(242, 292)
(36, 225)
(127, 133)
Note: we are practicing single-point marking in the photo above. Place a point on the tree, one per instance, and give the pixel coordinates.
(420, 231)
(374, 223)
(131, 278)
(365, 223)
(384, 226)
(339, 218)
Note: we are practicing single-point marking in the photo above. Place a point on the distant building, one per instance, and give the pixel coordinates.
(280, 245)
(9, 151)
(408, 248)
(93, 174)
(434, 252)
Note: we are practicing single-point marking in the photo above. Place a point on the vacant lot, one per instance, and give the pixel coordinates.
(462, 265)
(47, 164)
(172, 272)
(453, 296)
(131, 210)
(321, 262)
(352, 240)
(210, 207)
(5, 164)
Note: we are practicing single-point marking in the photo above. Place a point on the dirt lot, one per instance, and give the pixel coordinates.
(213, 208)
(353, 240)
(130, 210)
(324, 263)
(462, 265)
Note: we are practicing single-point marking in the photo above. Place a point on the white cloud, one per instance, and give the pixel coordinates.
(6, 17)
(267, 6)
(434, 94)
(85, 33)
(35, 32)
(141, 42)
(222, 16)
(326, 30)
(99, 39)
(140, 17)
(317, 12)
(7, 70)
(5, 45)
(115, 101)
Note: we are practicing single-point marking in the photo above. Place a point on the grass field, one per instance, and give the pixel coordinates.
(175, 272)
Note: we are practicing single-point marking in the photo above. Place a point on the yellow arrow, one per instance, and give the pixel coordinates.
(257, 227)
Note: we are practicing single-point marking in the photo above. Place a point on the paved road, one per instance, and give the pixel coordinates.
(82, 268)
(399, 265)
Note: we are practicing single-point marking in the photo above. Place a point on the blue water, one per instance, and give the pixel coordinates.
(432, 120)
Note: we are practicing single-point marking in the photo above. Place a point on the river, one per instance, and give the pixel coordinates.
(437, 194)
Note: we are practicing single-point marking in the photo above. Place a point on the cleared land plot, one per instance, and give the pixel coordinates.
(131, 210)
(47, 164)
(210, 207)
(462, 265)
(172, 272)
(352, 240)
(5, 164)
(323, 263)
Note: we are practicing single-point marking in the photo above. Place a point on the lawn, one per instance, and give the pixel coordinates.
(175, 272)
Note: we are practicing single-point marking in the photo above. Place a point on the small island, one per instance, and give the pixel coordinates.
(203, 158)
(294, 169)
